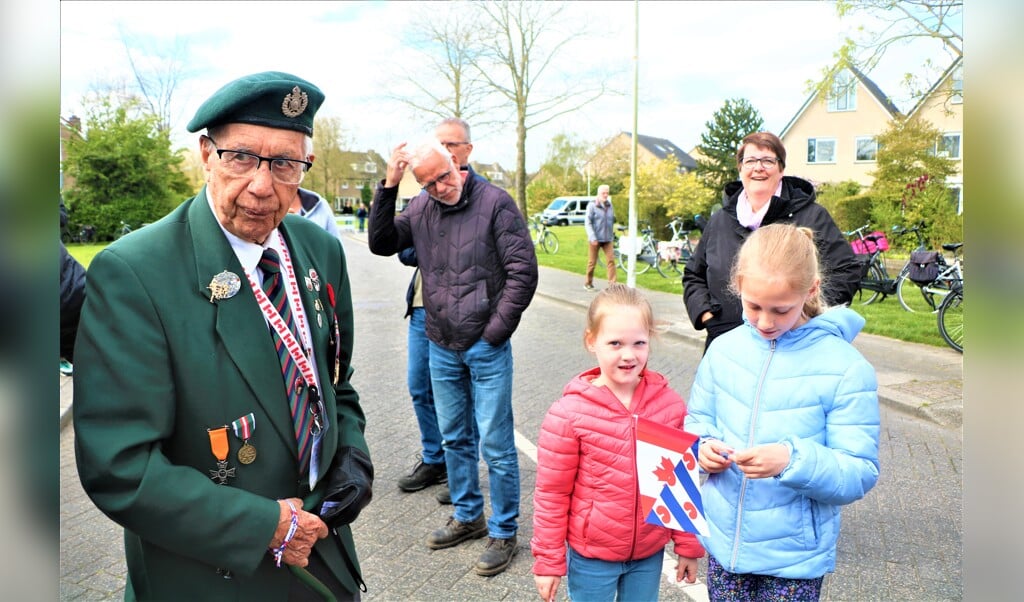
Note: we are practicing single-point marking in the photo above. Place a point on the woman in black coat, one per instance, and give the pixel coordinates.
(764, 195)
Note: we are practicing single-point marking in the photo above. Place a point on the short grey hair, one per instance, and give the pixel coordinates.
(422, 151)
(459, 122)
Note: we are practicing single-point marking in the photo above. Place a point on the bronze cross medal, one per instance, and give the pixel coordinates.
(219, 447)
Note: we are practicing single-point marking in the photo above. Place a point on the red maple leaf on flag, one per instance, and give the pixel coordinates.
(666, 472)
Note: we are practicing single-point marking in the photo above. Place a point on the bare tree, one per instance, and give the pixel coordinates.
(896, 23)
(523, 39)
(451, 47)
(157, 73)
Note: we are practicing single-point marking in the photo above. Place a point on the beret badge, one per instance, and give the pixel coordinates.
(294, 103)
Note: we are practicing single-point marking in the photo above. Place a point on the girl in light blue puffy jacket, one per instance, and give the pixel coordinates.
(787, 412)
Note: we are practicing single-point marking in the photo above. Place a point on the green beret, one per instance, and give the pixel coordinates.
(272, 99)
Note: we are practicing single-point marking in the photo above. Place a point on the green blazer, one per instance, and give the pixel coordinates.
(157, 364)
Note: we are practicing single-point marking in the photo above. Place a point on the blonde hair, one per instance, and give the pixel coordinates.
(786, 252)
(616, 295)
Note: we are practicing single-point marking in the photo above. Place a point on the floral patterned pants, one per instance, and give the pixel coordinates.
(724, 586)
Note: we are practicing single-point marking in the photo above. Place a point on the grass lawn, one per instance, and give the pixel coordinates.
(886, 318)
(84, 252)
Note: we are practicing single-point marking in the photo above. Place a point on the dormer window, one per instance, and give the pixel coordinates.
(370, 167)
(843, 95)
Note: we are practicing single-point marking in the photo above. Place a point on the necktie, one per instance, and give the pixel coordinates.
(295, 386)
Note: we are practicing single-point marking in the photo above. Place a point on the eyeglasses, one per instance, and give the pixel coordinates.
(766, 162)
(449, 145)
(241, 164)
(445, 178)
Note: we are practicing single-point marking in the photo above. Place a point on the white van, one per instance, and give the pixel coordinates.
(566, 210)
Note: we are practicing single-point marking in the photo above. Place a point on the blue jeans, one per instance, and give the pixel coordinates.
(591, 580)
(418, 379)
(476, 384)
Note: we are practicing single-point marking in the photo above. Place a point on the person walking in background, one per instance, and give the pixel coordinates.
(587, 487)
(361, 215)
(316, 209)
(453, 134)
(214, 415)
(479, 274)
(791, 456)
(762, 196)
(600, 226)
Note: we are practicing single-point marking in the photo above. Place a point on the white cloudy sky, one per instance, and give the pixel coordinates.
(693, 56)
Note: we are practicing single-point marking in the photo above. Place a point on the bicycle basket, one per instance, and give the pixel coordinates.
(670, 250)
(871, 243)
(924, 267)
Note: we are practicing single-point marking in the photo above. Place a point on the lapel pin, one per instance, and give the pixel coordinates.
(224, 286)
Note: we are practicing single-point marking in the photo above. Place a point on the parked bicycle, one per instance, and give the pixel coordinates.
(929, 278)
(645, 248)
(85, 234)
(542, 236)
(876, 283)
(951, 317)
(124, 229)
(674, 253)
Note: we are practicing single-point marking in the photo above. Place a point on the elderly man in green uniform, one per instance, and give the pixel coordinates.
(214, 417)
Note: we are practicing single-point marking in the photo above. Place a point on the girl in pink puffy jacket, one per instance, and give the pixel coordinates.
(587, 494)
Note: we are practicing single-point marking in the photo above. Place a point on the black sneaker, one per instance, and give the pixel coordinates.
(444, 496)
(422, 476)
(496, 557)
(455, 532)
(589, 287)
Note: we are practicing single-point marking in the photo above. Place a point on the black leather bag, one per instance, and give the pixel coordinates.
(349, 488)
(924, 267)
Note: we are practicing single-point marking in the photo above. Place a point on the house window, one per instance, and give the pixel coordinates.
(370, 167)
(843, 95)
(821, 150)
(867, 148)
(956, 197)
(344, 185)
(948, 146)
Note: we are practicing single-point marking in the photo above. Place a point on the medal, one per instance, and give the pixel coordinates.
(224, 286)
(247, 453)
(219, 447)
(309, 284)
(244, 428)
(315, 278)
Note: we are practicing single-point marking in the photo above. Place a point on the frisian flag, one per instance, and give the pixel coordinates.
(666, 464)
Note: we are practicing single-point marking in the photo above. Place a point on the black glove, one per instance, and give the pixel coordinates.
(349, 487)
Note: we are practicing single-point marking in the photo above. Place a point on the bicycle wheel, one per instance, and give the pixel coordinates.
(648, 256)
(951, 320)
(915, 298)
(549, 242)
(622, 259)
(868, 296)
(669, 268)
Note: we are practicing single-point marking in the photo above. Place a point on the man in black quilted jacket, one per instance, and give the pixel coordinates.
(479, 274)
